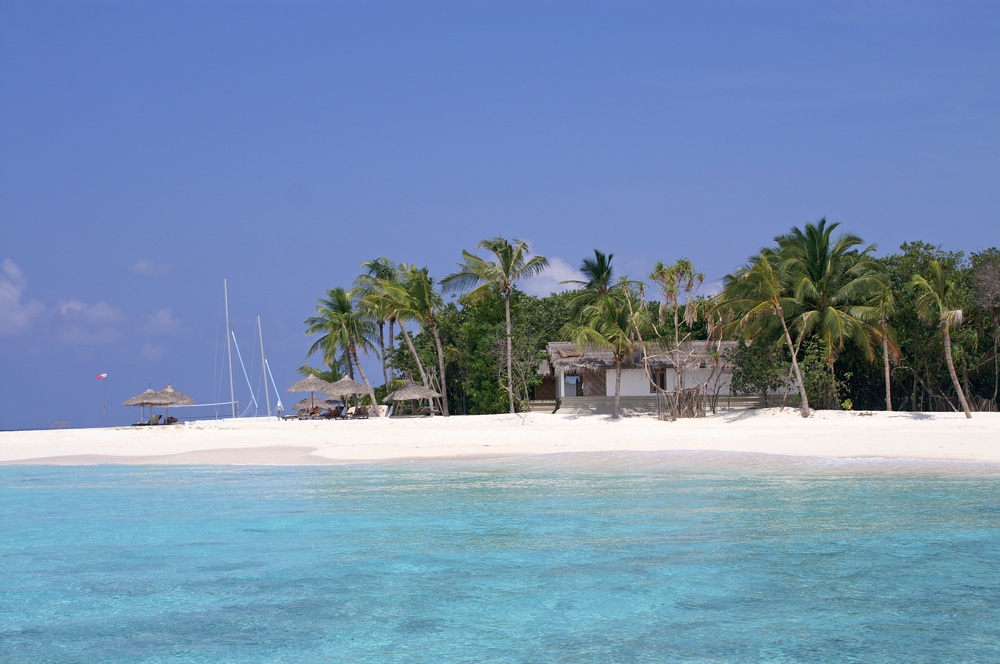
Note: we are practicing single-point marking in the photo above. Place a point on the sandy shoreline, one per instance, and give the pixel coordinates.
(937, 436)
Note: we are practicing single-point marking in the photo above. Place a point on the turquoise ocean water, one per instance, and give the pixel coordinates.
(672, 557)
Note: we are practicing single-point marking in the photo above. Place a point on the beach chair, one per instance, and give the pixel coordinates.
(361, 413)
(350, 413)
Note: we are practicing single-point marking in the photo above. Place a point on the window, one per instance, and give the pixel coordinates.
(659, 379)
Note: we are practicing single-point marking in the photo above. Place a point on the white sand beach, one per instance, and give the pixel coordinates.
(939, 436)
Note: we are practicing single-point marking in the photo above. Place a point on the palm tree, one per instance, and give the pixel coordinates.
(374, 302)
(937, 303)
(599, 279)
(415, 298)
(609, 322)
(482, 276)
(678, 282)
(884, 301)
(400, 312)
(755, 297)
(343, 327)
(832, 283)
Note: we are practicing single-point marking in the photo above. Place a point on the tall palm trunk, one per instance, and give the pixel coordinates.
(885, 359)
(617, 409)
(364, 379)
(413, 351)
(510, 354)
(381, 344)
(444, 385)
(951, 370)
(795, 366)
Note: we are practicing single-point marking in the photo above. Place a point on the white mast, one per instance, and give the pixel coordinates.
(263, 363)
(229, 348)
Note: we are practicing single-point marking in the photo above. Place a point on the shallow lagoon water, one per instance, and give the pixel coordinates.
(682, 557)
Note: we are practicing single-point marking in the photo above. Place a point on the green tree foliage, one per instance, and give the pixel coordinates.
(512, 262)
(822, 385)
(940, 303)
(343, 326)
(833, 284)
(812, 298)
(986, 316)
(755, 299)
(758, 369)
(921, 376)
(616, 323)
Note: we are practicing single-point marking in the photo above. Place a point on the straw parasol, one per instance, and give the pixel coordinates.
(412, 392)
(347, 386)
(172, 397)
(310, 402)
(312, 384)
(148, 398)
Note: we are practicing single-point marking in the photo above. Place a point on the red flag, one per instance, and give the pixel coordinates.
(104, 375)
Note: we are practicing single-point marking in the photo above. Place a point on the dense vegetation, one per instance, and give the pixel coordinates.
(915, 330)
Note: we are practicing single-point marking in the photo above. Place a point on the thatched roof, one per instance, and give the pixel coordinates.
(148, 398)
(311, 384)
(412, 392)
(566, 356)
(346, 386)
(312, 401)
(172, 397)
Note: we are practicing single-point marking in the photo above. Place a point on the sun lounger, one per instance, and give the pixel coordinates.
(359, 413)
(335, 413)
(155, 419)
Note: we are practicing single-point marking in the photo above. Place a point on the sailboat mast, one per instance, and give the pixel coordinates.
(229, 347)
(263, 363)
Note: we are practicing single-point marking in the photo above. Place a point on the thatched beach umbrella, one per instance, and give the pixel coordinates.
(310, 402)
(347, 386)
(172, 397)
(148, 398)
(412, 392)
(312, 384)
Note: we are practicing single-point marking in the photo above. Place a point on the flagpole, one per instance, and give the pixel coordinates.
(104, 411)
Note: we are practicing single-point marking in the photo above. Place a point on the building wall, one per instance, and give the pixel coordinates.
(636, 384)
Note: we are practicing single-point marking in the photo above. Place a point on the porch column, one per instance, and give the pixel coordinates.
(560, 383)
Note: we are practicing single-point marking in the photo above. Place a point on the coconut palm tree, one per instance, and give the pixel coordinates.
(754, 298)
(937, 303)
(832, 282)
(598, 282)
(373, 301)
(414, 297)
(400, 313)
(884, 301)
(343, 327)
(482, 276)
(609, 322)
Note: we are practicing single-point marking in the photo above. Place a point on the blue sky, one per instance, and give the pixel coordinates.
(149, 150)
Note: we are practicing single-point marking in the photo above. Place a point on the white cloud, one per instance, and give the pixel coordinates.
(101, 313)
(15, 315)
(152, 352)
(79, 323)
(147, 268)
(550, 281)
(162, 323)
